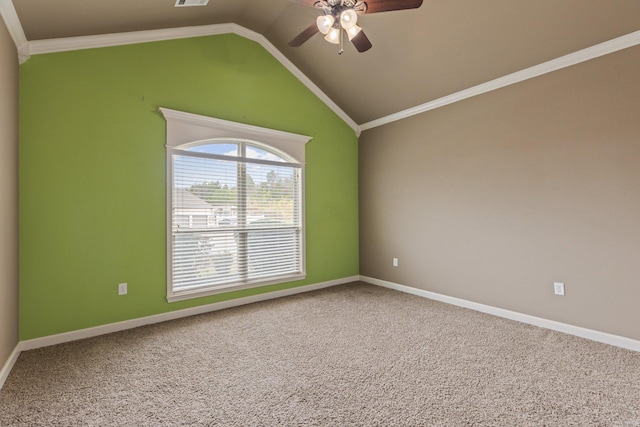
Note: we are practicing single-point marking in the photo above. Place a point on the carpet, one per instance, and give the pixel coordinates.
(350, 355)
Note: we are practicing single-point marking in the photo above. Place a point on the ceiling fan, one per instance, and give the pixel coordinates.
(338, 15)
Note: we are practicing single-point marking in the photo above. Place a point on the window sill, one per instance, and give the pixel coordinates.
(203, 292)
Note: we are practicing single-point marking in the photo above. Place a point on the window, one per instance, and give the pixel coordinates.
(235, 206)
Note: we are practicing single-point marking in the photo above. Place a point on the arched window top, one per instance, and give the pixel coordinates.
(235, 206)
(187, 129)
(238, 148)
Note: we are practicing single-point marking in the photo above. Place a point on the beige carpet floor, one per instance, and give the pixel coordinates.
(352, 355)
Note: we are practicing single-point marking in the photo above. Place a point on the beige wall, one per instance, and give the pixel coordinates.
(494, 198)
(8, 195)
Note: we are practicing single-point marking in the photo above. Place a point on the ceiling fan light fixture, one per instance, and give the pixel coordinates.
(353, 31)
(324, 23)
(338, 15)
(348, 19)
(333, 36)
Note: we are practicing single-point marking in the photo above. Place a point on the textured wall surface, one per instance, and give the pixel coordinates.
(92, 177)
(8, 195)
(495, 198)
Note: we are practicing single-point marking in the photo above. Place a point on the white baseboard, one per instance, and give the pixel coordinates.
(163, 317)
(590, 334)
(602, 337)
(8, 365)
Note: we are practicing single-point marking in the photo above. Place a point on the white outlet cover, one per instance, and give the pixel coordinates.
(395, 262)
(122, 288)
(558, 288)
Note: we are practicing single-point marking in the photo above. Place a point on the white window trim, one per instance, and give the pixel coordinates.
(185, 128)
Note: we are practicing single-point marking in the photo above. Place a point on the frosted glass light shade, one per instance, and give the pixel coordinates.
(348, 19)
(353, 31)
(333, 36)
(324, 23)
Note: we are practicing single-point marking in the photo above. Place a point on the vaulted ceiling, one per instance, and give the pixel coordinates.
(418, 55)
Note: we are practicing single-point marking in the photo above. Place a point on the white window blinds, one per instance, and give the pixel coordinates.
(235, 205)
(236, 216)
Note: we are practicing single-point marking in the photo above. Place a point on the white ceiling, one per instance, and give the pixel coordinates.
(418, 55)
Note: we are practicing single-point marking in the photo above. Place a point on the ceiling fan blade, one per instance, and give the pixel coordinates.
(305, 35)
(361, 42)
(375, 6)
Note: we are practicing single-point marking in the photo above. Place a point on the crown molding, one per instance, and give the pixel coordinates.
(11, 20)
(266, 44)
(118, 39)
(28, 48)
(596, 51)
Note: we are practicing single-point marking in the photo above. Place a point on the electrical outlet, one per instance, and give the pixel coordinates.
(558, 288)
(122, 288)
(395, 262)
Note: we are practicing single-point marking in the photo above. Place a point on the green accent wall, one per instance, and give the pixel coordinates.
(92, 172)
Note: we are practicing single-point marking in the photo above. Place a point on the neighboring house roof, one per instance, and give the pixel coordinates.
(190, 202)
